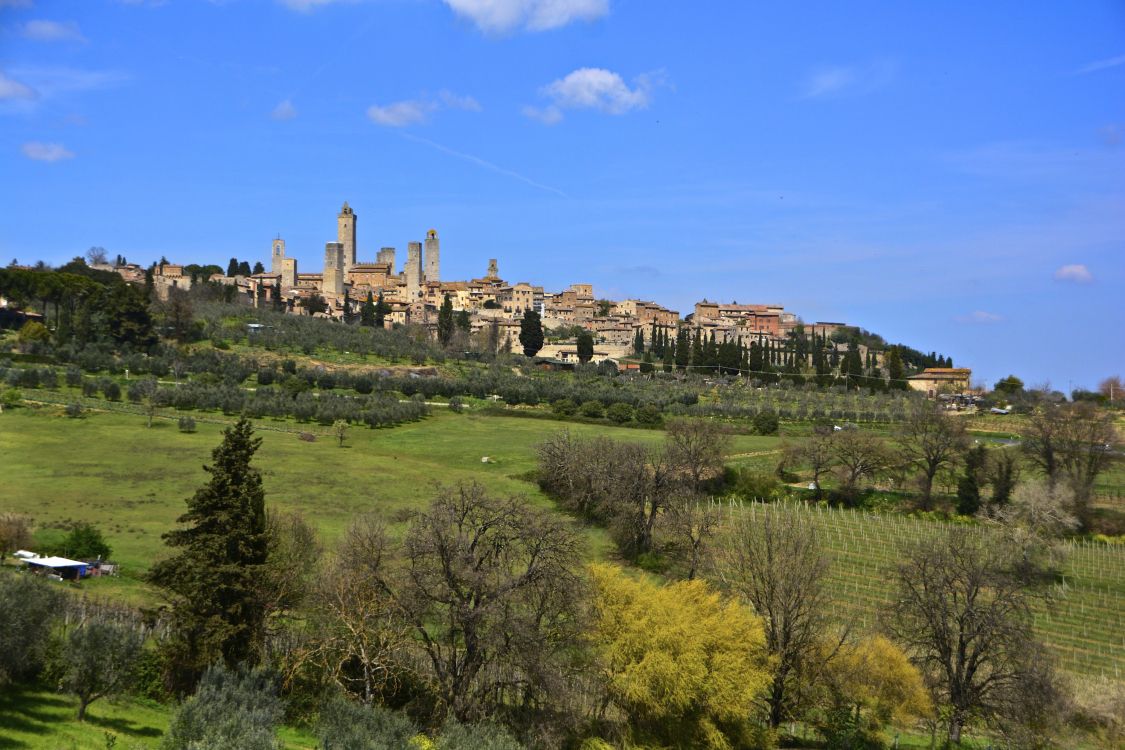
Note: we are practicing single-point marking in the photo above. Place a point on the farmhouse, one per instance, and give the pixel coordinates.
(935, 380)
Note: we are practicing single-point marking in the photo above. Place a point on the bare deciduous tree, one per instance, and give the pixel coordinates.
(688, 523)
(817, 453)
(491, 591)
(857, 455)
(931, 440)
(695, 449)
(774, 562)
(964, 614)
(1074, 443)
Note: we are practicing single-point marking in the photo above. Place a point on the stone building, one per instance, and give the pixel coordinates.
(432, 255)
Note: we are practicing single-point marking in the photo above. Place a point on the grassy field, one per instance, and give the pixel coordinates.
(131, 481)
(1085, 626)
(38, 719)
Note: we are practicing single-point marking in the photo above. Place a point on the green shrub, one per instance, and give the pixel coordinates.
(766, 423)
(346, 725)
(457, 736)
(74, 411)
(230, 709)
(649, 414)
(186, 424)
(564, 407)
(620, 412)
(591, 409)
(85, 542)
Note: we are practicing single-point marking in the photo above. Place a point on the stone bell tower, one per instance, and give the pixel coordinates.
(345, 235)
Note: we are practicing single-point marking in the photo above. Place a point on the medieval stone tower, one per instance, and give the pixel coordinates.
(433, 256)
(332, 285)
(345, 235)
(413, 270)
(493, 270)
(387, 255)
(277, 256)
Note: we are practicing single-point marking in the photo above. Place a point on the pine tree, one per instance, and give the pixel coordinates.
(445, 322)
(217, 610)
(259, 268)
(244, 268)
(232, 267)
(531, 333)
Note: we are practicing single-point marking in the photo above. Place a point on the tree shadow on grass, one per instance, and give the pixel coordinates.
(28, 712)
(123, 726)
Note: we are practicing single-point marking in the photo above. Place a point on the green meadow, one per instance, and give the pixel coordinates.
(131, 481)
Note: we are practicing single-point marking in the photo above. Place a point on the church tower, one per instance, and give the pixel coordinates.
(345, 235)
(277, 257)
(432, 256)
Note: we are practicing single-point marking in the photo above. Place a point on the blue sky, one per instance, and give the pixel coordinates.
(951, 175)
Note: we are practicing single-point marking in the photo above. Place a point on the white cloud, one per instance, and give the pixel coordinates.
(980, 316)
(847, 79)
(546, 115)
(1094, 67)
(52, 31)
(46, 151)
(49, 81)
(499, 16)
(1075, 272)
(13, 89)
(592, 88)
(453, 101)
(400, 114)
(284, 110)
(415, 111)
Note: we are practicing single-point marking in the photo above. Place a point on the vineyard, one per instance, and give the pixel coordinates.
(1084, 623)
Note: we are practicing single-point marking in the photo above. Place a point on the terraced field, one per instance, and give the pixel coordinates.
(1084, 624)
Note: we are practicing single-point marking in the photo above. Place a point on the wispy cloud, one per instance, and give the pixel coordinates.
(415, 111)
(49, 81)
(453, 101)
(52, 31)
(10, 88)
(980, 317)
(1094, 67)
(284, 110)
(304, 6)
(1076, 273)
(482, 163)
(499, 16)
(593, 88)
(841, 80)
(49, 152)
(400, 114)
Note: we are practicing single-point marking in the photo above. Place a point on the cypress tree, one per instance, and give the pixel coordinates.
(445, 321)
(585, 346)
(464, 322)
(968, 486)
(639, 342)
(244, 268)
(669, 356)
(367, 314)
(697, 351)
(531, 333)
(682, 350)
(895, 371)
(754, 359)
(380, 312)
(232, 267)
(217, 608)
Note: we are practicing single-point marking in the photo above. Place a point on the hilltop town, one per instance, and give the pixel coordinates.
(414, 293)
